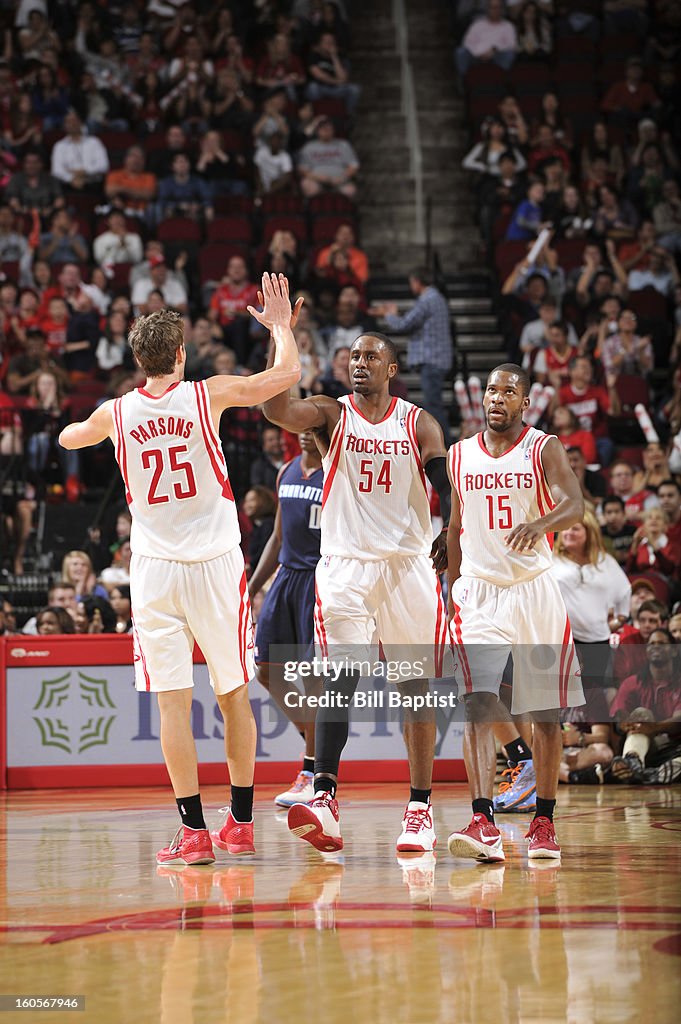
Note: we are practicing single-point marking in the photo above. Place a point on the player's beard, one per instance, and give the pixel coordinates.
(499, 426)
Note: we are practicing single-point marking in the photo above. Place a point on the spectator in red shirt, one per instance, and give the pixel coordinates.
(55, 325)
(565, 425)
(669, 496)
(651, 549)
(551, 365)
(630, 656)
(632, 96)
(280, 68)
(648, 706)
(622, 484)
(546, 148)
(590, 404)
(229, 307)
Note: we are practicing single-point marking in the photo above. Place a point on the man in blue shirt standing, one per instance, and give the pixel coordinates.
(430, 346)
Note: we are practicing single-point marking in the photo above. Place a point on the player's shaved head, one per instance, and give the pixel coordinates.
(522, 375)
(388, 343)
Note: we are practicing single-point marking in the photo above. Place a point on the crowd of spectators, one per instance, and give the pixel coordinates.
(575, 160)
(165, 154)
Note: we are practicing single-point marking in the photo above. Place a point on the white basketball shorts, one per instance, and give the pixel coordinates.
(177, 603)
(527, 620)
(395, 600)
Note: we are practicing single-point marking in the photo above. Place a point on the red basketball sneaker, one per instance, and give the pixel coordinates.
(480, 840)
(190, 846)
(236, 837)
(317, 823)
(542, 836)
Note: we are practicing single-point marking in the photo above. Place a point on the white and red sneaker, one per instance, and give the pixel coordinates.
(301, 791)
(189, 846)
(418, 834)
(542, 836)
(317, 823)
(480, 840)
(236, 837)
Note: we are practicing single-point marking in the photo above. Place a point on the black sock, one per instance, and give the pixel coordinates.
(241, 803)
(191, 811)
(485, 807)
(421, 796)
(545, 808)
(324, 784)
(332, 723)
(308, 764)
(517, 750)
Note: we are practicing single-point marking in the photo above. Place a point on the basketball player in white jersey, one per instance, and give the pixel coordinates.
(187, 578)
(375, 573)
(512, 487)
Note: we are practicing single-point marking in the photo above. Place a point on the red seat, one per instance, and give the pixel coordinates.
(282, 202)
(570, 252)
(214, 256)
(229, 229)
(482, 106)
(10, 271)
(295, 223)
(648, 303)
(331, 107)
(530, 76)
(487, 78)
(225, 206)
(506, 255)
(324, 227)
(631, 390)
(331, 202)
(178, 229)
(120, 279)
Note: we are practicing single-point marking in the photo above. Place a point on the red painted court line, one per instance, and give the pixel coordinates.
(454, 917)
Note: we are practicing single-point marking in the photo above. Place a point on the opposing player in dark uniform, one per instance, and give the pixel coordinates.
(287, 614)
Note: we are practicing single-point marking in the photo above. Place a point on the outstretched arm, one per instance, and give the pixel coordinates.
(91, 431)
(566, 493)
(227, 390)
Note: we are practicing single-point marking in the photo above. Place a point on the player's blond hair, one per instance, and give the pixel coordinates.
(155, 339)
(594, 548)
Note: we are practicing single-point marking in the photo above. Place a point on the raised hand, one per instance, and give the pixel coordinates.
(277, 305)
(296, 309)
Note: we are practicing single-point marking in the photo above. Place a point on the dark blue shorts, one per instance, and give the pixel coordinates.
(287, 615)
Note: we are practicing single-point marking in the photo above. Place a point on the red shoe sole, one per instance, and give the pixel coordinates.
(235, 851)
(305, 825)
(192, 858)
(413, 848)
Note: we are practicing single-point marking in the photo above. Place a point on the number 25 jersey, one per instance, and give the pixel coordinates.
(374, 502)
(175, 474)
(496, 495)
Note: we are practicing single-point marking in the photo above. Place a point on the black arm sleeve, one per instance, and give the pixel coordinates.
(436, 471)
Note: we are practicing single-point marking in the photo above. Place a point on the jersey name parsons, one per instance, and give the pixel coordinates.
(375, 504)
(175, 474)
(496, 495)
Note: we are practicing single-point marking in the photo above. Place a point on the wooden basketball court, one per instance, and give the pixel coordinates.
(292, 935)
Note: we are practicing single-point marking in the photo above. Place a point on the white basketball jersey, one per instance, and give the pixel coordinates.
(175, 474)
(374, 502)
(497, 494)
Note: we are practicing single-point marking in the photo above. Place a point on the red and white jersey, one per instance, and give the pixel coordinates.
(374, 502)
(497, 494)
(175, 474)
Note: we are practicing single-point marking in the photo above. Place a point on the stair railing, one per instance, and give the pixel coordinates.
(410, 113)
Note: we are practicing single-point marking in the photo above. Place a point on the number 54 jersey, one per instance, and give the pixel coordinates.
(495, 495)
(175, 474)
(374, 503)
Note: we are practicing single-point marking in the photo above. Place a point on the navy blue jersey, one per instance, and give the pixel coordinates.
(300, 501)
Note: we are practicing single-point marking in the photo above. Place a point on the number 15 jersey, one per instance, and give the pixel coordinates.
(374, 502)
(495, 495)
(175, 475)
